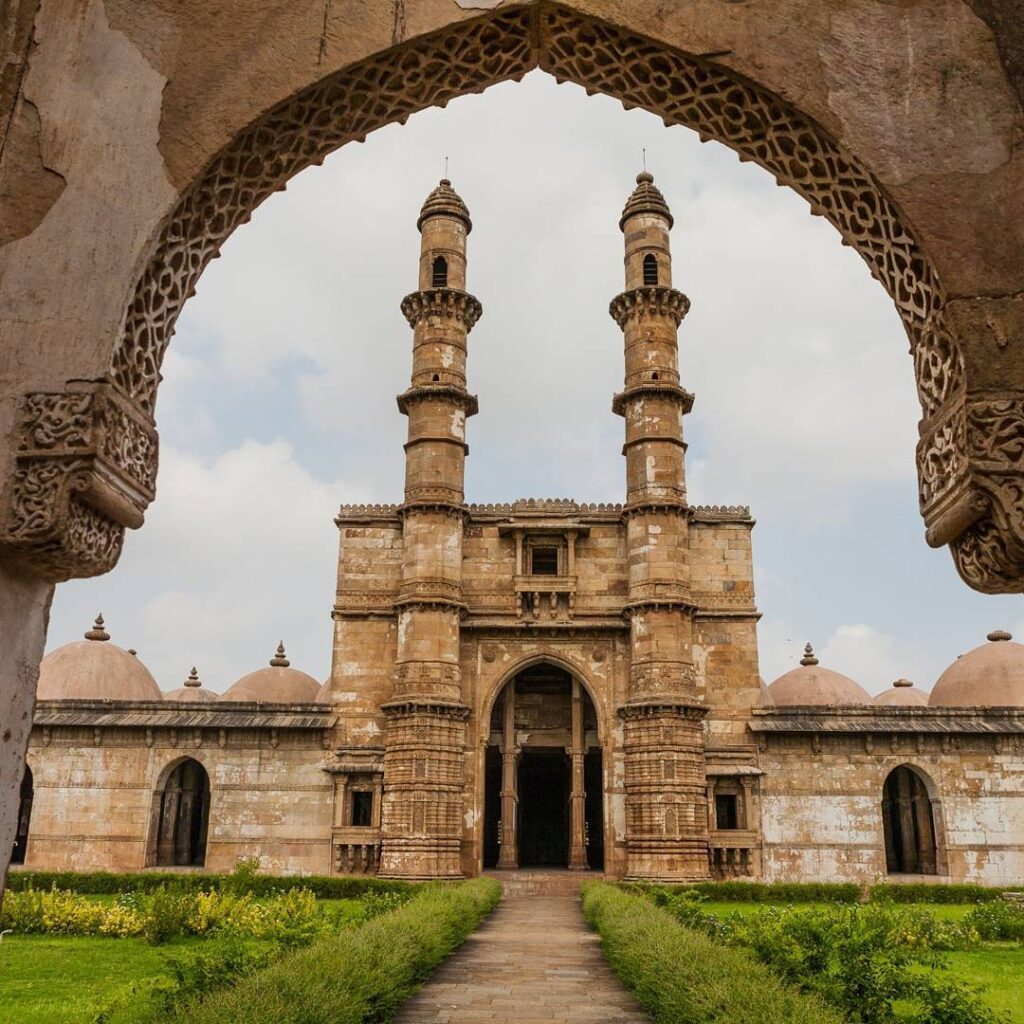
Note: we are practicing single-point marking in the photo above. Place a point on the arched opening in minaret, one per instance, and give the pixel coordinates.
(439, 276)
(181, 817)
(650, 269)
(908, 823)
(24, 816)
(543, 776)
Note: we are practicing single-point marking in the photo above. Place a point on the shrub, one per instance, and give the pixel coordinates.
(997, 922)
(359, 975)
(684, 977)
(937, 893)
(99, 883)
(763, 892)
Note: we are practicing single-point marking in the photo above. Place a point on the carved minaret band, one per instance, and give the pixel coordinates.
(666, 823)
(424, 760)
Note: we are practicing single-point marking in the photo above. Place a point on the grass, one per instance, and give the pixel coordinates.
(999, 969)
(68, 980)
(942, 911)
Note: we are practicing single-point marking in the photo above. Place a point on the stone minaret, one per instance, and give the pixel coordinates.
(666, 811)
(425, 735)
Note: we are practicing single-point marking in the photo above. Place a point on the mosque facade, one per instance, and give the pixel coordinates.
(535, 684)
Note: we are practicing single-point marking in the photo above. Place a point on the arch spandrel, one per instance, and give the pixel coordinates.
(77, 485)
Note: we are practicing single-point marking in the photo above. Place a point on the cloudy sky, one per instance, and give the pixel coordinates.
(279, 397)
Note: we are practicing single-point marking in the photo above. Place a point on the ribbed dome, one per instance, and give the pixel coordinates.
(278, 684)
(646, 198)
(95, 669)
(902, 693)
(810, 684)
(444, 201)
(991, 675)
(191, 690)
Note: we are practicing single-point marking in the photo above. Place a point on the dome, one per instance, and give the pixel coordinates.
(95, 669)
(191, 690)
(991, 675)
(323, 695)
(444, 201)
(812, 685)
(278, 684)
(902, 693)
(646, 198)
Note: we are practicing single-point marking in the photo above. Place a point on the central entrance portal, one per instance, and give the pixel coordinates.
(544, 793)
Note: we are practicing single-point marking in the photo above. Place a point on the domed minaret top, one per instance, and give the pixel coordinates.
(444, 201)
(646, 198)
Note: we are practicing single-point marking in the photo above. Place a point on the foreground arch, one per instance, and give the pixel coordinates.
(133, 148)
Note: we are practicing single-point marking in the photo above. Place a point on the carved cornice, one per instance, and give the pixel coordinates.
(645, 388)
(660, 506)
(434, 392)
(446, 302)
(414, 706)
(649, 300)
(881, 719)
(434, 591)
(648, 708)
(447, 500)
(721, 514)
(85, 469)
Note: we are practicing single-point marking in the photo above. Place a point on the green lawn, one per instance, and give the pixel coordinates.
(943, 911)
(46, 980)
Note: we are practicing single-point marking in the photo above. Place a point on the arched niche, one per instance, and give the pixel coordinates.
(180, 818)
(911, 824)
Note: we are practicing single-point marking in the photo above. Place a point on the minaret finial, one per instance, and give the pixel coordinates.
(279, 660)
(193, 678)
(808, 658)
(643, 157)
(97, 632)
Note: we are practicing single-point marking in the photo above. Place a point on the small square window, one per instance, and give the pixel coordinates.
(362, 809)
(726, 812)
(544, 561)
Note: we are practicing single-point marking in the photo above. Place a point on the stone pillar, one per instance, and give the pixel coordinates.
(578, 798)
(424, 763)
(666, 811)
(508, 857)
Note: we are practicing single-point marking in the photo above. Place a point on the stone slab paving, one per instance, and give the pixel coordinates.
(533, 961)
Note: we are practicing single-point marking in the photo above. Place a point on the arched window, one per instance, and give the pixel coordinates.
(181, 816)
(650, 269)
(24, 814)
(440, 273)
(908, 824)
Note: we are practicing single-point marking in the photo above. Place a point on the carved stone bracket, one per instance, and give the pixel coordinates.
(651, 300)
(85, 469)
(448, 302)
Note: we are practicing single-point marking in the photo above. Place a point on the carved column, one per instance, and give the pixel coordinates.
(578, 798)
(666, 810)
(424, 760)
(508, 857)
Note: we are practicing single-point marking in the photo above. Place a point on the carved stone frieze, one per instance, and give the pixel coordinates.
(660, 679)
(444, 302)
(85, 469)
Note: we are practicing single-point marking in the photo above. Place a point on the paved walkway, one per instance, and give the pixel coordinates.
(533, 961)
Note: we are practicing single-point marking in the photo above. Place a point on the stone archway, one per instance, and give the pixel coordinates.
(87, 455)
(908, 824)
(181, 816)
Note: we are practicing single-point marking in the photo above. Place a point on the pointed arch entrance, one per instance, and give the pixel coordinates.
(181, 816)
(908, 822)
(543, 775)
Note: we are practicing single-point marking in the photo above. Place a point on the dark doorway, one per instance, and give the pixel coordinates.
(908, 824)
(544, 787)
(593, 776)
(492, 807)
(24, 814)
(183, 817)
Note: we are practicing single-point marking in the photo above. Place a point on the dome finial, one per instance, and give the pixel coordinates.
(999, 635)
(444, 201)
(902, 682)
(645, 198)
(193, 678)
(97, 632)
(279, 660)
(808, 658)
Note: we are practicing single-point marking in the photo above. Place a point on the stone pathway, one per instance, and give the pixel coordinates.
(533, 961)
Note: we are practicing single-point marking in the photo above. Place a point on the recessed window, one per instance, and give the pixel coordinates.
(439, 277)
(650, 269)
(544, 561)
(726, 815)
(362, 809)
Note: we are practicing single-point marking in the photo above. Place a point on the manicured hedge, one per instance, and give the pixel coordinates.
(107, 882)
(940, 892)
(358, 975)
(683, 977)
(772, 892)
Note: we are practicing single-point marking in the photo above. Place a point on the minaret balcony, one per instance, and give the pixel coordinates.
(649, 300)
(442, 302)
(436, 393)
(652, 387)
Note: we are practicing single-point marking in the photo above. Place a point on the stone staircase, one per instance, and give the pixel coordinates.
(542, 882)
